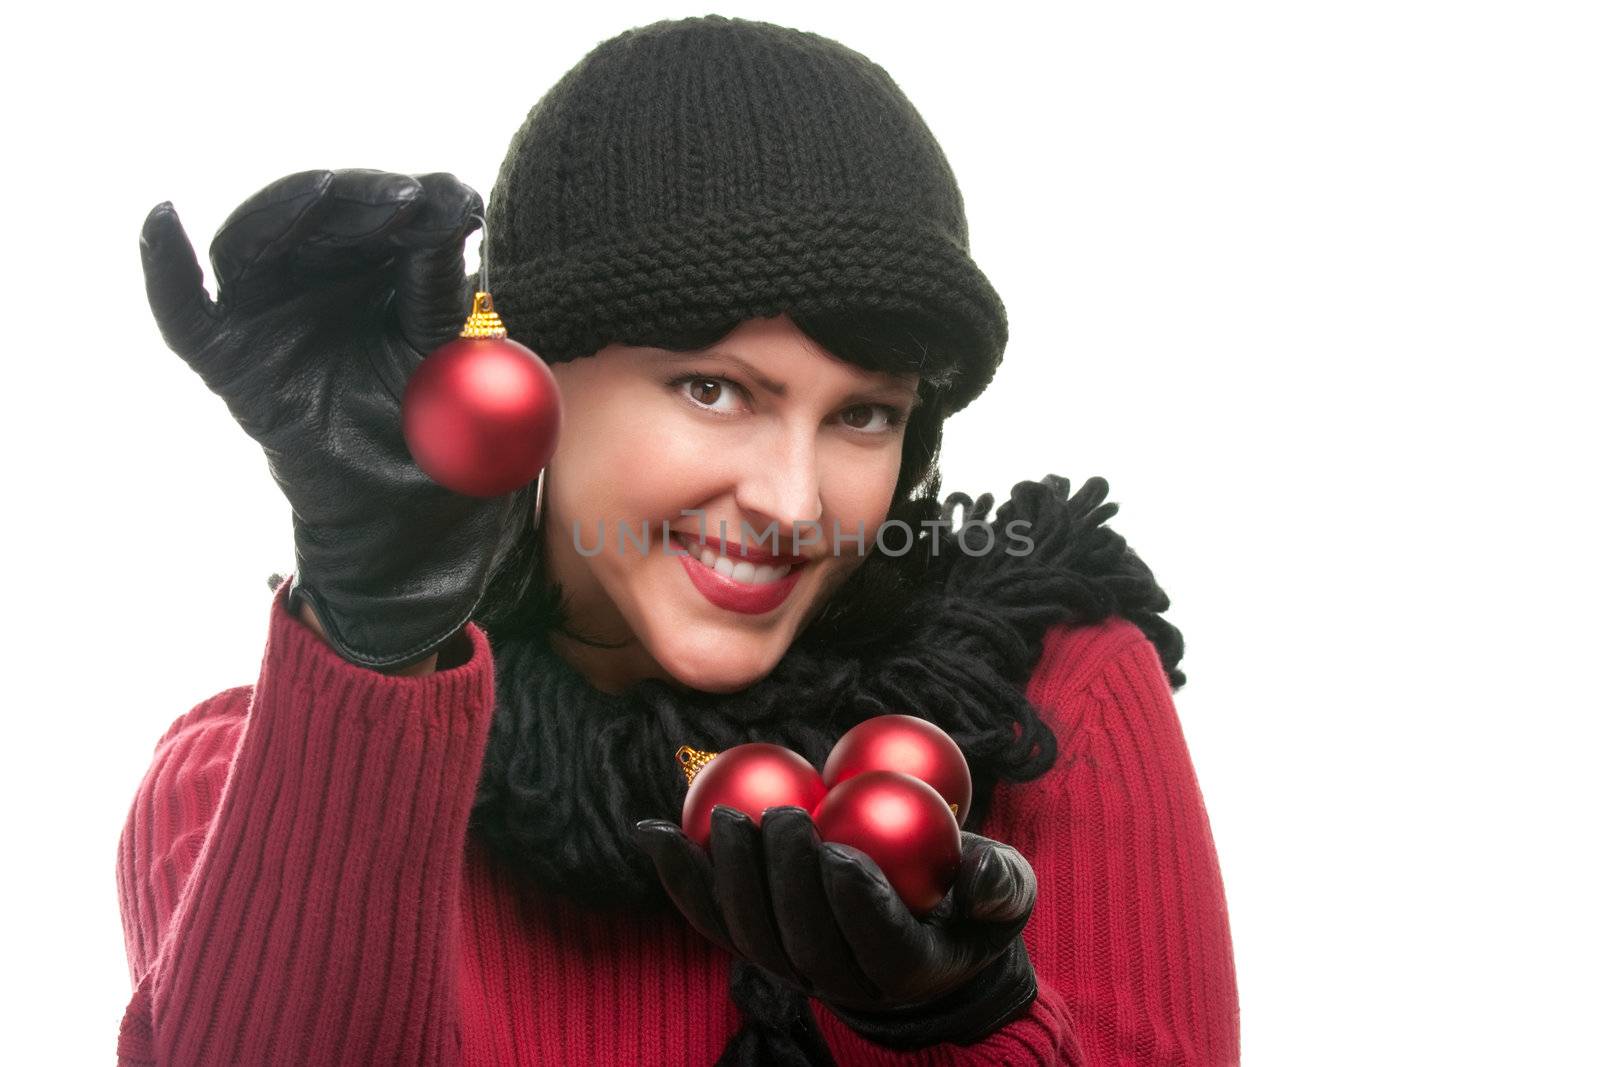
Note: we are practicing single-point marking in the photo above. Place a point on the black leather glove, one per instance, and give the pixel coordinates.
(332, 286)
(823, 919)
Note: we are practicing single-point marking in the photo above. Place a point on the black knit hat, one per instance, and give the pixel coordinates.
(689, 175)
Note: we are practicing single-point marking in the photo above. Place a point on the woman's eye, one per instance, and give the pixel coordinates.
(888, 418)
(706, 391)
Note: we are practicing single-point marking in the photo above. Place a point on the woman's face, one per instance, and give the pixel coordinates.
(782, 450)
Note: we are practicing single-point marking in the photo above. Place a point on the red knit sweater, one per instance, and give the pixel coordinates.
(297, 886)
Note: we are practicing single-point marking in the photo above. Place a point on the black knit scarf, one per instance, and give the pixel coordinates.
(569, 769)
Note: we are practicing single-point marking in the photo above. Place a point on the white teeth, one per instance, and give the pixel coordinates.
(742, 571)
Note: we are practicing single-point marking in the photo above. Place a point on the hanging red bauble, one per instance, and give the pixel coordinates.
(481, 414)
(751, 778)
(904, 825)
(907, 744)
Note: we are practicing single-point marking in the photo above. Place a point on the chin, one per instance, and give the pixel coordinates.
(719, 662)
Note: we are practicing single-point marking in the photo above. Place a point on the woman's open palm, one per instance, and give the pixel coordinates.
(823, 918)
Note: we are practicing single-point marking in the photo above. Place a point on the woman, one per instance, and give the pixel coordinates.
(440, 827)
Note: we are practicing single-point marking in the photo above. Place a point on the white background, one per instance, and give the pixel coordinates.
(1313, 286)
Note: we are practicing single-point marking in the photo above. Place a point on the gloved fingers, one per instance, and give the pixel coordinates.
(183, 310)
(892, 946)
(739, 872)
(250, 246)
(308, 223)
(685, 873)
(996, 884)
(354, 225)
(811, 936)
(432, 301)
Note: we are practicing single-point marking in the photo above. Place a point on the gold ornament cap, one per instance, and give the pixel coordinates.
(693, 761)
(483, 322)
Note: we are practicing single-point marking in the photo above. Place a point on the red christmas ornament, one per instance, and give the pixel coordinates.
(904, 824)
(909, 745)
(481, 414)
(751, 778)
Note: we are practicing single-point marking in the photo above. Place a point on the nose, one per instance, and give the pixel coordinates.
(780, 486)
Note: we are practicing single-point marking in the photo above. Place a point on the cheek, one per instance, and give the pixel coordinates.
(857, 492)
(859, 486)
(619, 461)
(667, 459)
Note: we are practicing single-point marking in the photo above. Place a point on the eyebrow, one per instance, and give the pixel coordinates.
(777, 388)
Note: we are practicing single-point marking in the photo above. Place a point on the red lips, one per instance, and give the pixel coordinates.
(743, 597)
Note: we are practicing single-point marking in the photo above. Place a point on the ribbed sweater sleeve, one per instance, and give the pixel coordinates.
(290, 868)
(1129, 936)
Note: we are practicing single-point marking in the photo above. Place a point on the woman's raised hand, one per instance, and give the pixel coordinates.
(332, 286)
(822, 918)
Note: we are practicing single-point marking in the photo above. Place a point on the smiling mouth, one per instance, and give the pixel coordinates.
(743, 571)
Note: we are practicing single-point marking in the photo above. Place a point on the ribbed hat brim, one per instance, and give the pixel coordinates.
(683, 276)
